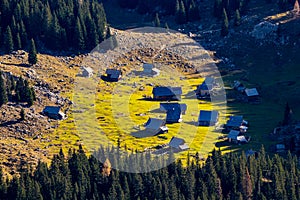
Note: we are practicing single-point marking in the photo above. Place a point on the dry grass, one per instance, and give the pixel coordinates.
(39, 142)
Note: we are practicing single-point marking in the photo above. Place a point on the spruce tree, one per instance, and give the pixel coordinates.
(3, 92)
(93, 40)
(180, 16)
(22, 114)
(32, 55)
(29, 95)
(8, 87)
(13, 26)
(23, 34)
(237, 19)
(47, 19)
(12, 83)
(78, 36)
(156, 20)
(18, 43)
(20, 90)
(108, 32)
(8, 41)
(224, 30)
(166, 26)
(54, 38)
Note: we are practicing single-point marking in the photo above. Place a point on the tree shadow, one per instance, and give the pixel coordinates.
(157, 100)
(146, 99)
(224, 143)
(230, 147)
(18, 65)
(11, 122)
(107, 79)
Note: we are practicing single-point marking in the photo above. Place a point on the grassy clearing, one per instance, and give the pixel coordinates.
(276, 76)
(113, 112)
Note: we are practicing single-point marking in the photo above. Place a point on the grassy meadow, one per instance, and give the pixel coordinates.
(104, 113)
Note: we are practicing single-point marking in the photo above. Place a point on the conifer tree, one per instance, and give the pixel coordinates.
(224, 30)
(30, 96)
(78, 36)
(8, 41)
(93, 40)
(246, 185)
(156, 20)
(18, 43)
(232, 179)
(20, 90)
(13, 26)
(180, 15)
(23, 34)
(32, 54)
(22, 115)
(108, 32)
(125, 187)
(8, 87)
(219, 189)
(166, 26)
(237, 19)
(47, 18)
(3, 92)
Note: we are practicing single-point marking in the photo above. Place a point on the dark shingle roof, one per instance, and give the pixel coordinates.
(235, 121)
(154, 123)
(51, 109)
(251, 92)
(208, 116)
(166, 91)
(233, 134)
(173, 115)
(113, 73)
(207, 84)
(176, 142)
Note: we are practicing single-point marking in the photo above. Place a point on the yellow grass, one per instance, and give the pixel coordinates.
(105, 112)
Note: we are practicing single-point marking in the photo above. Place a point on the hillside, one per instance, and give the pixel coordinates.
(56, 82)
(270, 64)
(32, 139)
